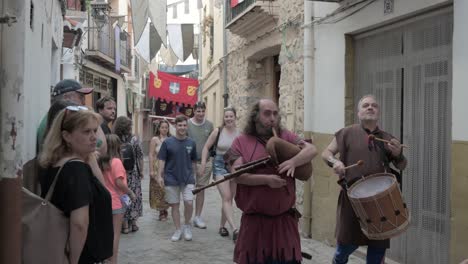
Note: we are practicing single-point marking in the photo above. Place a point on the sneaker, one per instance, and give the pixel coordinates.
(177, 235)
(188, 232)
(198, 222)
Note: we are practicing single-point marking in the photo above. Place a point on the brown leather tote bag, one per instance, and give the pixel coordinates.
(45, 229)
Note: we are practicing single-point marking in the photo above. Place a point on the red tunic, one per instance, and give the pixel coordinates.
(267, 231)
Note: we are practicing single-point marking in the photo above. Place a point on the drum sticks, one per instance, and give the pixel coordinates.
(359, 163)
(372, 137)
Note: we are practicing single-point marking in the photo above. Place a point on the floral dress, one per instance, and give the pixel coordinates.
(135, 209)
(156, 193)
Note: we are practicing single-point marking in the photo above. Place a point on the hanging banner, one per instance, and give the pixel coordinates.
(173, 88)
(236, 2)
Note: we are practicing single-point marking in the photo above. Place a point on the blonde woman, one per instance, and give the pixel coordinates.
(157, 200)
(67, 148)
(227, 133)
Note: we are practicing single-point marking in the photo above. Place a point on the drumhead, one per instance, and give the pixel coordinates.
(371, 186)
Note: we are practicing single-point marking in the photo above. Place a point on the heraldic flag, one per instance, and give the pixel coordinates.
(236, 2)
(173, 88)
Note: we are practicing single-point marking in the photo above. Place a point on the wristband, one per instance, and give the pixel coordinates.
(399, 158)
(331, 161)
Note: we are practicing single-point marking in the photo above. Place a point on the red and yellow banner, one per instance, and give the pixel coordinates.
(173, 88)
(236, 2)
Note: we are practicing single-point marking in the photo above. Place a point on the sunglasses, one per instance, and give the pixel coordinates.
(74, 108)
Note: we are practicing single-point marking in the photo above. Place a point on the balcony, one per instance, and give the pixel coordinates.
(251, 16)
(101, 47)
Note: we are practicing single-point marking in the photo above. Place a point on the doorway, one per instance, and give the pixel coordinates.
(408, 67)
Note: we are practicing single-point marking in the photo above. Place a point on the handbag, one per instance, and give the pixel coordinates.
(45, 229)
(31, 176)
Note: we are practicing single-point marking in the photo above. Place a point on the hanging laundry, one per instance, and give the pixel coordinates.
(139, 17)
(175, 39)
(158, 15)
(168, 56)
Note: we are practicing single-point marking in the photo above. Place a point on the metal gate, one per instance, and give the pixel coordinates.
(409, 68)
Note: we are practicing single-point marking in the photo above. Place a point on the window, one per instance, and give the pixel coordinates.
(174, 11)
(78, 5)
(187, 6)
(211, 39)
(31, 16)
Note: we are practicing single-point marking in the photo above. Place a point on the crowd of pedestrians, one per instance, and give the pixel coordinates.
(98, 163)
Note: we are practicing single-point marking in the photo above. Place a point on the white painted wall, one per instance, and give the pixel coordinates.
(327, 106)
(460, 70)
(29, 66)
(43, 45)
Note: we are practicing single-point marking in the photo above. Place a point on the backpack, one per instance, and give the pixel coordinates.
(128, 156)
(45, 228)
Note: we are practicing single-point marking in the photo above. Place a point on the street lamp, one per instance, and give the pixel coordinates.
(99, 12)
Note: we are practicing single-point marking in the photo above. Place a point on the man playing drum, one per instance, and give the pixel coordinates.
(355, 143)
(266, 196)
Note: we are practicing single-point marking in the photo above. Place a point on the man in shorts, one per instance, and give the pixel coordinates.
(176, 175)
(199, 129)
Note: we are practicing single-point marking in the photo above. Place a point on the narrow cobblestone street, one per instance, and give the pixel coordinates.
(152, 244)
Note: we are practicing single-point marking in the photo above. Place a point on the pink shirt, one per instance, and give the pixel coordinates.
(116, 171)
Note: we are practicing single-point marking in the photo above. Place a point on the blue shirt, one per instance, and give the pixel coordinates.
(178, 156)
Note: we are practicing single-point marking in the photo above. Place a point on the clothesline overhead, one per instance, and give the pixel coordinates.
(151, 31)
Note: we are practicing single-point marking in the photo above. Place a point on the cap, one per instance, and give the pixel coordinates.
(69, 85)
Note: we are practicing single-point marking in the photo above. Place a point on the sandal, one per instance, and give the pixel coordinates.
(223, 232)
(166, 214)
(125, 230)
(163, 215)
(235, 234)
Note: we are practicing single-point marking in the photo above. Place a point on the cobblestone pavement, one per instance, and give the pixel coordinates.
(151, 244)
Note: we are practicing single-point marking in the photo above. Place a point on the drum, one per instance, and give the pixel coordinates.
(379, 206)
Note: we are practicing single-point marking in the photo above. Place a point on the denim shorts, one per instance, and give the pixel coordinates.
(218, 166)
(119, 211)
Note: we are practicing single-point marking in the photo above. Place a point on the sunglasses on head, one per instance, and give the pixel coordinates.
(74, 108)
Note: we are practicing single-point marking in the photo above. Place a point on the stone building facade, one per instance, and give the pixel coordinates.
(269, 63)
(265, 60)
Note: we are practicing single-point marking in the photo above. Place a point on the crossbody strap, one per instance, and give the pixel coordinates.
(50, 192)
(217, 137)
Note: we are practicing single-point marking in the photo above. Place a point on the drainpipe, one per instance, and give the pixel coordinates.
(225, 56)
(308, 103)
(199, 59)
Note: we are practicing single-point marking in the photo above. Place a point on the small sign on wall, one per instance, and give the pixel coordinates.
(389, 6)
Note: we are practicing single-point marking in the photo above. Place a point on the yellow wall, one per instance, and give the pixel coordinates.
(459, 202)
(324, 195)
